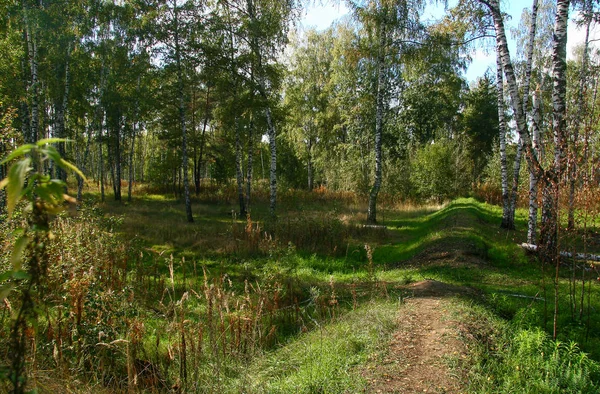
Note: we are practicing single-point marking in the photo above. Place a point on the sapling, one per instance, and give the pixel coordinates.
(44, 196)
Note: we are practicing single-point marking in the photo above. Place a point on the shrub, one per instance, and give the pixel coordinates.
(438, 172)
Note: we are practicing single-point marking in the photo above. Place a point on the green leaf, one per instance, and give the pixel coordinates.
(69, 166)
(20, 151)
(44, 193)
(56, 188)
(5, 290)
(47, 141)
(17, 254)
(3, 183)
(53, 154)
(5, 276)
(16, 180)
(20, 275)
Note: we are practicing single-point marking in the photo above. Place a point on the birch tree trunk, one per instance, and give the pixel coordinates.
(513, 89)
(83, 165)
(532, 222)
(515, 184)
(533, 179)
(525, 101)
(117, 161)
(130, 165)
(309, 147)
(134, 132)
(551, 189)
(273, 168)
(33, 86)
(100, 157)
(250, 164)
(239, 175)
(61, 110)
(506, 223)
(548, 236)
(184, 153)
(271, 131)
(202, 143)
(379, 113)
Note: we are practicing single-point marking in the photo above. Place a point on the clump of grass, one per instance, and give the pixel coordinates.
(507, 358)
(323, 361)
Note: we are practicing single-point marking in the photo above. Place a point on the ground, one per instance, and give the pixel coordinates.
(423, 347)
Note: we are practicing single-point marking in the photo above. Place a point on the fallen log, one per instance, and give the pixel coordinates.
(569, 255)
(535, 298)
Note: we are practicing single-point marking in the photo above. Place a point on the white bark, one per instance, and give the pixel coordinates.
(184, 154)
(577, 256)
(273, 169)
(533, 180)
(250, 164)
(502, 136)
(380, 109)
(239, 175)
(33, 84)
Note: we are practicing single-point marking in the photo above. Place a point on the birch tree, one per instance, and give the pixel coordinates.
(388, 23)
(551, 175)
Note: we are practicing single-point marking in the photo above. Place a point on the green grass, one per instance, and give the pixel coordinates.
(327, 360)
(285, 280)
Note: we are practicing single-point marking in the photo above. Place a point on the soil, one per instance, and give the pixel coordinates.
(424, 346)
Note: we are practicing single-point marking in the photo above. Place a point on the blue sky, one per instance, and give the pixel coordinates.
(321, 17)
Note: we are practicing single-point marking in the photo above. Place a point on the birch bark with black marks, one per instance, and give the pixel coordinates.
(202, 143)
(549, 236)
(181, 96)
(511, 81)
(273, 168)
(514, 192)
(61, 111)
(250, 164)
(133, 134)
(117, 160)
(309, 147)
(532, 223)
(271, 130)
(526, 84)
(24, 114)
(101, 158)
(33, 85)
(506, 223)
(83, 164)
(239, 174)
(533, 179)
(379, 113)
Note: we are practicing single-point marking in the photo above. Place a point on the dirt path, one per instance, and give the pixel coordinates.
(423, 347)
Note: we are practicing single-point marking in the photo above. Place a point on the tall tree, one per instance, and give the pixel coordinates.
(550, 176)
(389, 23)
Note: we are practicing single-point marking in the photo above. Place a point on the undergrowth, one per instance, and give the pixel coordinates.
(139, 301)
(508, 357)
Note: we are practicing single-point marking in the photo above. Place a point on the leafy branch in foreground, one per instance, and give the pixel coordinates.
(45, 196)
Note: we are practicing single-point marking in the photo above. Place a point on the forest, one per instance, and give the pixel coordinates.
(202, 196)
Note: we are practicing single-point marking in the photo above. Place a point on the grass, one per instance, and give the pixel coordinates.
(152, 302)
(326, 359)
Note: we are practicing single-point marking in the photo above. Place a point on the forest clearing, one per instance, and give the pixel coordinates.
(438, 299)
(206, 196)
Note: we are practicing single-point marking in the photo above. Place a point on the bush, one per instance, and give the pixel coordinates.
(529, 361)
(438, 171)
